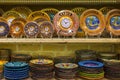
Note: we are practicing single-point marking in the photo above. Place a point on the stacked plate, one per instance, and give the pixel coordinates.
(66, 70)
(5, 54)
(64, 59)
(91, 70)
(85, 55)
(16, 70)
(21, 57)
(41, 69)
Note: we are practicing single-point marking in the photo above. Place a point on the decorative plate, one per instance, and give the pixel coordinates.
(10, 16)
(46, 29)
(16, 29)
(31, 29)
(22, 20)
(66, 65)
(38, 16)
(1, 12)
(90, 64)
(113, 21)
(4, 29)
(92, 22)
(41, 61)
(51, 12)
(24, 11)
(66, 23)
(79, 11)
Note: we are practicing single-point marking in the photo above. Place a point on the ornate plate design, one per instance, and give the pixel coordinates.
(31, 29)
(51, 12)
(24, 11)
(46, 29)
(92, 22)
(113, 21)
(22, 20)
(79, 11)
(66, 23)
(16, 29)
(38, 16)
(4, 27)
(10, 16)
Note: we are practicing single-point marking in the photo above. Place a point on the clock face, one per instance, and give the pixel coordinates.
(66, 23)
(115, 22)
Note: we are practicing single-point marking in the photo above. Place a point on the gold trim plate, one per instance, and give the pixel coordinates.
(92, 22)
(113, 21)
(66, 23)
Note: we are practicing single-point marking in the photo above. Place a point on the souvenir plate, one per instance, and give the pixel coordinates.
(38, 16)
(22, 20)
(10, 16)
(4, 29)
(92, 22)
(31, 29)
(41, 61)
(1, 12)
(24, 11)
(51, 12)
(46, 29)
(16, 29)
(66, 65)
(66, 23)
(113, 21)
(79, 11)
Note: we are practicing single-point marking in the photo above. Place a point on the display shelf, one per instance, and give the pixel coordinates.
(59, 40)
(95, 2)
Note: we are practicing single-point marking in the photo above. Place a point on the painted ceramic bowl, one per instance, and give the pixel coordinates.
(31, 29)
(16, 29)
(113, 21)
(4, 29)
(92, 22)
(24, 11)
(46, 29)
(51, 12)
(10, 16)
(66, 23)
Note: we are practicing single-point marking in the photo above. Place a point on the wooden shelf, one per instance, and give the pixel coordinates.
(85, 2)
(57, 40)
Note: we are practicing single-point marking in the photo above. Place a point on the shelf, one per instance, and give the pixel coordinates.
(57, 40)
(85, 2)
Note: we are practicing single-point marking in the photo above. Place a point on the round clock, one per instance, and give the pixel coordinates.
(113, 21)
(46, 29)
(10, 16)
(4, 29)
(31, 29)
(24, 11)
(16, 29)
(51, 12)
(66, 23)
(92, 22)
(38, 16)
(79, 11)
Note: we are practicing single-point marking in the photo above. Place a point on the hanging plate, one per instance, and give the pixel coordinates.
(38, 16)
(16, 29)
(46, 29)
(51, 12)
(31, 29)
(113, 21)
(10, 16)
(66, 23)
(24, 11)
(4, 27)
(92, 22)
(79, 11)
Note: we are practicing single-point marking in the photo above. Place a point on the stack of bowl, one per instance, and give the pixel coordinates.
(41, 69)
